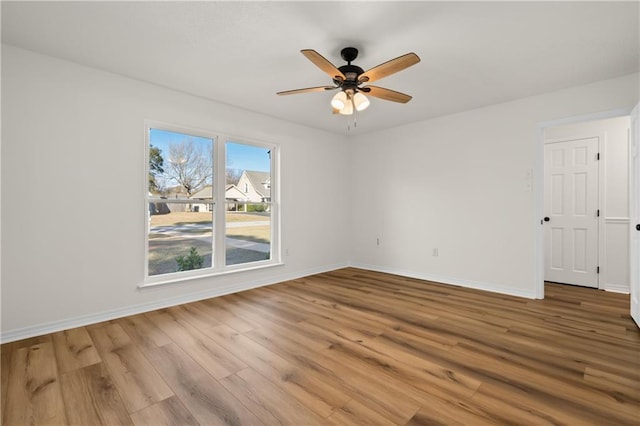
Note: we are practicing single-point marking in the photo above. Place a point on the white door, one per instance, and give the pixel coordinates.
(634, 215)
(571, 211)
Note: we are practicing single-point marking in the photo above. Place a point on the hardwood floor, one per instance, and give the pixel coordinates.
(345, 347)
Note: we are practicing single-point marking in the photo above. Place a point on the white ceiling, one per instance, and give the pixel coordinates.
(241, 53)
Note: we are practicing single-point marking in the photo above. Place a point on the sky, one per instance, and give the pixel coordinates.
(239, 156)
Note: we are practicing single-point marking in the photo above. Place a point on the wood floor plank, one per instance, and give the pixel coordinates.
(566, 352)
(254, 312)
(224, 312)
(33, 391)
(143, 332)
(571, 342)
(329, 315)
(397, 403)
(505, 409)
(196, 314)
(302, 384)
(273, 306)
(343, 303)
(208, 401)
(318, 295)
(559, 392)
(598, 383)
(604, 383)
(411, 387)
(539, 404)
(267, 401)
(345, 347)
(446, 415)
(353, 413)
(424, 338)
(91, 397)
(74, 349)
(32, 341)
(613, 379)
(353, 331)
(169, 412)
(137, 381)
(211, 356)
(6, 352)
(421, 373)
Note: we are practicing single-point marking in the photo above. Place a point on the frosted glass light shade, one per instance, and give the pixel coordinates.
(348, 108)
(339, 100)
(360, 101)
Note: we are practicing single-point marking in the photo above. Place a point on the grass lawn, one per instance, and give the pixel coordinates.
(163, 253)
(257, 234)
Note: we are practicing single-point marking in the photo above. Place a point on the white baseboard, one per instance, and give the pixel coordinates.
(83, 320)
(617, 288)
(494, 288)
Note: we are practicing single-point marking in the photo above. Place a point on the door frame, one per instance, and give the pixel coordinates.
(538, 191)
(634, 213)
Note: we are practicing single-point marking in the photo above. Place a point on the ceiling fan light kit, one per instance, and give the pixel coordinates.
(345, 101)
(350, 79)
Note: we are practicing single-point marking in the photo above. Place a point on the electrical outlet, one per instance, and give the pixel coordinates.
(435, 252)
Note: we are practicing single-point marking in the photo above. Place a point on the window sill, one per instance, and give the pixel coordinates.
(177, 278)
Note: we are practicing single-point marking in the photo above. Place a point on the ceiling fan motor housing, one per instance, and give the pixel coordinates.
(351, 72)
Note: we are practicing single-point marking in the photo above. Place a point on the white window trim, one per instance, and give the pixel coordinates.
(219, 267)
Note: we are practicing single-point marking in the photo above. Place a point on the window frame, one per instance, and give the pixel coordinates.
(219, 162)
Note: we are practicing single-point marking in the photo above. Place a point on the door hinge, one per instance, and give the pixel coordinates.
(597, 269)
(598, 213)
(597, 156)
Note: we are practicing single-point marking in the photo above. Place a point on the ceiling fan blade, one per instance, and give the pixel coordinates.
(307, 90)
(324, 64)
(390, 67)
(386, 94)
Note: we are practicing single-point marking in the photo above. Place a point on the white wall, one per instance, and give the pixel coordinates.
(459, 184)
(73, 214)
(614, 205)
(72, 137)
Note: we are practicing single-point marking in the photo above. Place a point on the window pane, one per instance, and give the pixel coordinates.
(180, 165)
(247, 199)
(248, 235)
(179, 239)
(180, 233)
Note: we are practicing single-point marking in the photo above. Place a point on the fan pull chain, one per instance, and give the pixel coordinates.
(355, 115)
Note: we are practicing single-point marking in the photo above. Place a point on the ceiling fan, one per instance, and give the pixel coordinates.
(350, 79)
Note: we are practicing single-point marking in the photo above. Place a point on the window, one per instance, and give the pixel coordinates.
(248, 219)
(199, 221)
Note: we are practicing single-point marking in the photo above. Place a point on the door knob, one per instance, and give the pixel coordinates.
(546, 219)
(638, 227)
